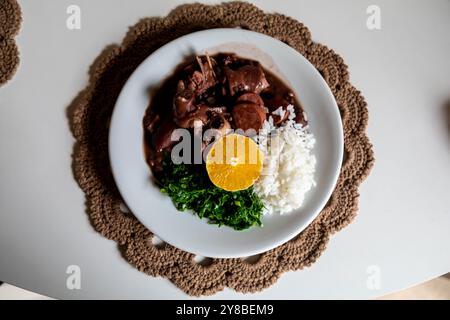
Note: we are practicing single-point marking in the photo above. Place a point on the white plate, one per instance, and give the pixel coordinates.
(183, 229)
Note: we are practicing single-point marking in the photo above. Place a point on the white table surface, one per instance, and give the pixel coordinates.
(403, 226)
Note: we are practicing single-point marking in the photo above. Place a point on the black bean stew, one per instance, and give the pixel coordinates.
(222, 92)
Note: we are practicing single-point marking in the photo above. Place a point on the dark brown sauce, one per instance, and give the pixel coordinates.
(278, 94)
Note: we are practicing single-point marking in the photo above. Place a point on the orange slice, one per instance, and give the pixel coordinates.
(234, 162)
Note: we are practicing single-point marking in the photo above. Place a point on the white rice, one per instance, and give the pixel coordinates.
(289, 165)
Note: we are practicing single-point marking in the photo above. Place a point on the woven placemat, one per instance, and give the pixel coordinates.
(90, 114)
(10, 20)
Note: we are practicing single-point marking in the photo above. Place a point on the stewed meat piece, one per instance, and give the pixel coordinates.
(250, 97)
(202, 115)
(300, 117)
(247, 115)
(218, 122)
(151, 120)
(200, 81)
(183, 103)
(249, 111)
(162, 139)
(248, 78)
(198, 116)
(278, 119)
(283, 100)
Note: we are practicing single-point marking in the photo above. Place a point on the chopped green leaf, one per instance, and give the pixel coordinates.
(190, 189)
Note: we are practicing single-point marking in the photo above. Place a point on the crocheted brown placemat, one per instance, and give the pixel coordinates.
(90, 114)
(10, 19)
